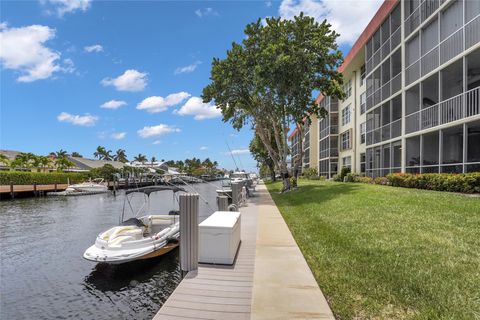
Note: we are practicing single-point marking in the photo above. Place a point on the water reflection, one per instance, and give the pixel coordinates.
(44, 276)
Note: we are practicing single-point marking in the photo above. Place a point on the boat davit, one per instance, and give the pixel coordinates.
(141, 237)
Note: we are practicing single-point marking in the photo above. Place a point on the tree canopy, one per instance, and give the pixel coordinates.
(268, 80)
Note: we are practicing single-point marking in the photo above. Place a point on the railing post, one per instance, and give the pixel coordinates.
(188, 232)
(222, 202)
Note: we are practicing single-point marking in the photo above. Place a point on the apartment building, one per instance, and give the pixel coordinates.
(412, 85)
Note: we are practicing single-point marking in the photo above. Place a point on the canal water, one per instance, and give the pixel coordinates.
(43, 274)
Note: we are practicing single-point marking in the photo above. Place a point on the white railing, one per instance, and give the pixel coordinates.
(472, 32)
(412, 72)
(461, 106)
(451, 46)
(424, 10)
(430, 61)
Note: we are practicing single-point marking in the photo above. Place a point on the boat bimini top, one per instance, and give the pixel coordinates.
(151, 189)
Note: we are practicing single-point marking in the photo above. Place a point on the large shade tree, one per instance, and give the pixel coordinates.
(269, 79)
(261, 155)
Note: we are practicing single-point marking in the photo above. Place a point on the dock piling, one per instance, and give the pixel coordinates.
(189, 205)
(236, 190)
(222, 202)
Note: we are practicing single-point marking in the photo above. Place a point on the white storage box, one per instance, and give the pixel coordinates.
(219, 237)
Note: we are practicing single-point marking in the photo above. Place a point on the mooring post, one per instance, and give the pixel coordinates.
(35, 188)
(12, 195)
(222, 202)
(236, 189)
(188, 232)
(114, 186)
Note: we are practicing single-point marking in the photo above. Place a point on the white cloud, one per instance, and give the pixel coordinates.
(22, 49)
(157, 104)
(158, 130)
(118, 135)
(203, 148)
(65, 6)
(338, 14)
(156, 142)
(131, 80)
(86, 120)
(206, 12)
(93, 48)
(187, 69)
(237, 152)
(113, 104)
(200, 110)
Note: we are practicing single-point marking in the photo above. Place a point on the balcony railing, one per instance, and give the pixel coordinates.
(385, 49)
(472, 32)
(462, 106)
(446, 50)
(424, 10)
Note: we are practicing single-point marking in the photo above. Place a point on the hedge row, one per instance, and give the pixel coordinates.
(466, 182)
(19, 178)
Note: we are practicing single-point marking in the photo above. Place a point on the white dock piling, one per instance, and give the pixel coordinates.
(236, 190)
(222, 202)
(188, 232)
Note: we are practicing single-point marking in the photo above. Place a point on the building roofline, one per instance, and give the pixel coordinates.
(382, 12)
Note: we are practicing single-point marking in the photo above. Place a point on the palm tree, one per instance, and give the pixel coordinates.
(107, 155)
(63, 163)
(99, 152)
(42, 162)
(61, 153)
(76, 154)
(140, 158)
(121, 156)
(153, 160)
(4, 159)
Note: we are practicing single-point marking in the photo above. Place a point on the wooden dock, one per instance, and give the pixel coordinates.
(218, 291)
(33, 188)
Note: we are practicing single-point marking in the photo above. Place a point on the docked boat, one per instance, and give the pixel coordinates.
(95, 185)
(144, 236)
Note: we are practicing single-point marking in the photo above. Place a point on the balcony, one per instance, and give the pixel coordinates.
(447, 49)
(459, 107)
(425, 9)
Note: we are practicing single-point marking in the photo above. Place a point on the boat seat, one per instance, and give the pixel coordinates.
(134, 232)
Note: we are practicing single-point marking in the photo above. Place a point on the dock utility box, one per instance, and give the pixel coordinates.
(219, 237)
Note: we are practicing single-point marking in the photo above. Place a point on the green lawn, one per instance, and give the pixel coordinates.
(381, 252)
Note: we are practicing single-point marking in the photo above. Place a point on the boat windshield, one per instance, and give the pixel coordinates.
(226, 183)
(239, 175)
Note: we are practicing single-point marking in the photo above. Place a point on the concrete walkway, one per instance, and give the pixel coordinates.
(283, 285)
(270, 278)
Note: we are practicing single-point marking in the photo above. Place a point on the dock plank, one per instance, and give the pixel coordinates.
(218, 291)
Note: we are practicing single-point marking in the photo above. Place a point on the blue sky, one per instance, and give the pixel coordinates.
(78, 73)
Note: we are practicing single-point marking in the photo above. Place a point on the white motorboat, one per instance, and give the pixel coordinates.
(95, 185)
(142, 237)
(226, 189)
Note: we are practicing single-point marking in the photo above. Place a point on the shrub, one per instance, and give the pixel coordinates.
(466, 182)
(344, 172)
(310, 173)
(363, 179)
(19, 177)
(382, 181)
(351, 177)
(337, 178)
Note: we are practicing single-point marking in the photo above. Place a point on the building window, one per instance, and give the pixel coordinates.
(345, 139)
(363, 131)
(363, 103)
(347, 162)
(347, 88)
(346, 115)
(362, 75)
(362, 162)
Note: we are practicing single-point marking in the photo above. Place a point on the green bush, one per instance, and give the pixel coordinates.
(361, 179)
(310, 173)
(344, 172)
(465, 183)
(337, 178)
(351, 177)
(19, 177)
